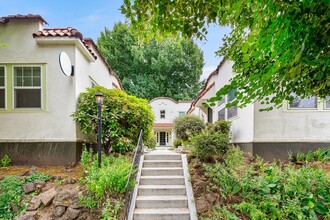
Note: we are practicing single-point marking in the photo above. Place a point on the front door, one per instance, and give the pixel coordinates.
(162, 138)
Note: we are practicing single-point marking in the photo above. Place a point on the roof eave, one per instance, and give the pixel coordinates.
(66, 41)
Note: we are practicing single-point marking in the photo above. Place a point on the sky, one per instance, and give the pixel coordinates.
(91, 17)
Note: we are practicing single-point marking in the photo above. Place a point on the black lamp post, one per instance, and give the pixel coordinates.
(99, 100)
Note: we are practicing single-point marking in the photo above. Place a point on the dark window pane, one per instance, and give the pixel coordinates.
(36, 81)
(162, 113)
(221, 114)
(231, 95)
(27, 71)
(327, 104)
(27, 98)
(36, 71)
(210, 115)
(220, 102)
(304, 103)
(2, 98)
(27, 81)
(2, 76)
(232, 111)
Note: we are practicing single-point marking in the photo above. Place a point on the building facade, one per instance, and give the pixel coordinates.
(301, 126)
(166, 110)
(36, 98)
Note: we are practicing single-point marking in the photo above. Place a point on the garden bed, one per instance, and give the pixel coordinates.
(243, 187)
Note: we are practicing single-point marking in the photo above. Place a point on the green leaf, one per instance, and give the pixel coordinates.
(245, 48)
(319, 75)
(246, 58)
(272, 185)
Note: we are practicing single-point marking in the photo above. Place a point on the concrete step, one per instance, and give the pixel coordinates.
(162, 163)
(161, 180)
(162, 157)
(158, 171)
(148, 190)
(161, 201)
(161, 214)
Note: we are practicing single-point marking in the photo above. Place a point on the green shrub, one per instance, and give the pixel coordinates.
(11, 193)
(221, 126)
(271, 190)
(5, 161)
(151, 142)
(207, 146)
(177, 142)
(188, 126)
(101, 183)
(321, 154)
(36, 176)
(124, 116)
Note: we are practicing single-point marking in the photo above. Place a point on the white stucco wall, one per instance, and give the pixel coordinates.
(283, 125)
(171, 108)
(243, 124)
(53, 123)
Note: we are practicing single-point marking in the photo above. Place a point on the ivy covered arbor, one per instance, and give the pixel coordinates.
(278, 46)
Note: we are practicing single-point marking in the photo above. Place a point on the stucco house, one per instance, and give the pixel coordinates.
(166, 110)
(36, 98)
(301, 126)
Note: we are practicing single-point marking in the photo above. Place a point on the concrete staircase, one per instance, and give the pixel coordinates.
(162, 190)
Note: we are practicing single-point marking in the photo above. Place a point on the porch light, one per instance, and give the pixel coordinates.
(99, 98)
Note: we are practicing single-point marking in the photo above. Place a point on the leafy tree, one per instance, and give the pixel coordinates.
(169, 68)
(279, 46)
(124, 116)
(188, 126)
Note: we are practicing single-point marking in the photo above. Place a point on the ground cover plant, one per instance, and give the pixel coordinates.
(5, 161)
(11, 194)
(261, 190)
(124, 116)
(105, 187)
(321, 154)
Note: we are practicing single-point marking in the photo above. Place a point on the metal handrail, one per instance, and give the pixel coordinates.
(132, 175)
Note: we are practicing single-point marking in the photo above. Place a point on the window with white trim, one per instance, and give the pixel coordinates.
(221, 114)
(299, 103)
(2, 87)
(327, 103)
(221, 101)
(182, 114)
(27, 87)
(231, 97)
(162, 113)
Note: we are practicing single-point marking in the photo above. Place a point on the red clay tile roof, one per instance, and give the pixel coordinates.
(163, 125)
(19, 16)
(59, 32)
(64, 32)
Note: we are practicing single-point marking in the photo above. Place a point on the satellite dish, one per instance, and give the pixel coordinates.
(65, 64)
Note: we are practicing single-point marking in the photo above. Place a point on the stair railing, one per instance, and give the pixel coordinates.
(132, 173)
